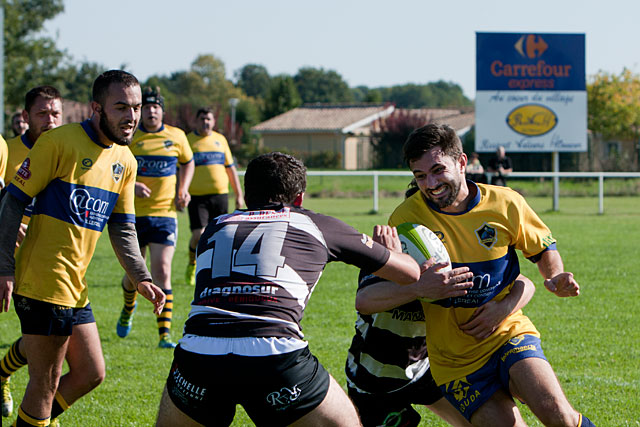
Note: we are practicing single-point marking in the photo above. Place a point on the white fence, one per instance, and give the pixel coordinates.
(600, 176)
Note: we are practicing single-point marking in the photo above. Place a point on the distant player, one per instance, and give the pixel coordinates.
(482, 226)
(43, 112)
(18, 124)
(161, 189)
(209, 188)
(83, 176)
(256, 270)
(4, 154)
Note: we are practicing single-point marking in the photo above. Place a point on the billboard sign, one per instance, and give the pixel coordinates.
(531, 92)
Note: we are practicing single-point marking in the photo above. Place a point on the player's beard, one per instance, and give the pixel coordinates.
(454, 189)
(111, 131)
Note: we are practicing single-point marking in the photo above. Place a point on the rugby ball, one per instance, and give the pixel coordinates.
(422, 244)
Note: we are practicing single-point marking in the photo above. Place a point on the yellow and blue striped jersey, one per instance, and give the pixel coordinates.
(212, 155)
(4, 155)
(80, 185)
(18, 149)
(158, 154)
(485, 237)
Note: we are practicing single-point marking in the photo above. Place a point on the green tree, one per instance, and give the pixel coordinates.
(283, 96)
(30, 59)
(392, 132)
(435, 94)
(613, 102)
(318, 85)
(254, 80)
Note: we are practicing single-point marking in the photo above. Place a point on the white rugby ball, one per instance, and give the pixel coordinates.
(422, 244)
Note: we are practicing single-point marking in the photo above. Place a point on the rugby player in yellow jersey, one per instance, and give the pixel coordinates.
(4, 153)
(214, 170)
(161, 189)
(482, 226)
(43, 112)
(84, 177)
(18, 124)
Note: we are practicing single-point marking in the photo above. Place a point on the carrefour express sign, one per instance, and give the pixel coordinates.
(531, 92)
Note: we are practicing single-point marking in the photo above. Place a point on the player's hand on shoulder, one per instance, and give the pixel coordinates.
(142, 190)
(563, 285)
(388, 237)
(154, 294)
(6, 290)
(436, 284)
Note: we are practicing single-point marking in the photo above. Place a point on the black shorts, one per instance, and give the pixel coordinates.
(394, 409)
(273, 390)
(203, 209)
(43, 318)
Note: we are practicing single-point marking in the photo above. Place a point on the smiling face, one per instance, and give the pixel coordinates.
(441, 179)
(152, 117)
(120, 114)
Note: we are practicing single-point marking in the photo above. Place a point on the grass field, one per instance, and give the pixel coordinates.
(591, 341)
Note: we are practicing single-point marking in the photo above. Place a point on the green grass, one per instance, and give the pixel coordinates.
(591, 341)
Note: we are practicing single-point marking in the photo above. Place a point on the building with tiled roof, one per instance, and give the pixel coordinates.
(343, 129)
(314, 128)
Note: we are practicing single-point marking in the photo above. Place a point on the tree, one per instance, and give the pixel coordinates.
(30, 59)
(254, 80)
(283, 96)
(614, 104)
(389, 137)
(318, 85)
(435, 94)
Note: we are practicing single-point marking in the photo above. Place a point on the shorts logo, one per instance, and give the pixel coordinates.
(460, 390)
(117, 170)
(487, 235)
(284, 398)
(516, 340)
(24, 171)
(168, 144)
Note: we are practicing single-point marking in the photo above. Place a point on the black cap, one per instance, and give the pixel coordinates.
(152, 96)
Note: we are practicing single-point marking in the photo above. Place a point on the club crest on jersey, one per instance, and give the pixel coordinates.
(24, 171)
(487, 235)
(117, 169)
(168, 144)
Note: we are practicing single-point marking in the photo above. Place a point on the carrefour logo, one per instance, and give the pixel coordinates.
(82, 203)
(531, 46)
(532, 119)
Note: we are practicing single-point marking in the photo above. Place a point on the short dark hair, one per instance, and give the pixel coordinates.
(432, 135)
(152, 96)
(45, 91)
(106, 79)
(274, 178)
(204, 110)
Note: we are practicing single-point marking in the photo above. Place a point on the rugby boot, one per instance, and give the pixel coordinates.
(125, 322)
(165, 342)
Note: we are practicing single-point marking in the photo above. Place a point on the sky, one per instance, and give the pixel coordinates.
(371, 43)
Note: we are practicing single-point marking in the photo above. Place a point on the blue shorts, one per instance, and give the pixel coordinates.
(43, 318)
(467, 394)
(156, 229)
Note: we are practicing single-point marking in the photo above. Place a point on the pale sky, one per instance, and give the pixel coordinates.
(372, 43)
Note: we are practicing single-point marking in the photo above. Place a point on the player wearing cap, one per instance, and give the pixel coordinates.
(161, 190)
